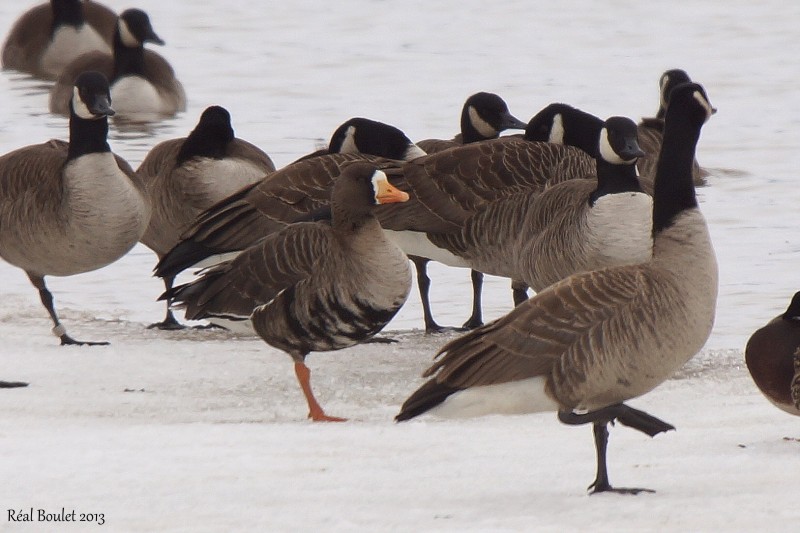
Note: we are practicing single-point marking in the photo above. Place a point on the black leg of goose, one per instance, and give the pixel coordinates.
(626, 416)
(58, 329)
(476, 319)
(169, 322)
(520, 291)
(424, 283)
(12, 384)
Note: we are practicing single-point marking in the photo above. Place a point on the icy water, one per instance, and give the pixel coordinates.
(290, 72)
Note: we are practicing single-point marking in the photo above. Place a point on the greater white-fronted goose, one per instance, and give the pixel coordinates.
(483, 117)
(68, 208)
(143, 84)
(597, 339)
(186, 176)
(316, 286)
(360, 135)
(773, 358)
(48, 37)
(651, 133)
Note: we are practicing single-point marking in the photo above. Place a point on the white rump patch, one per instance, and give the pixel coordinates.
(557, 131)
(412, 152)
(481, 125)
(349, 145)
(513, 398)
(126, 35)
(417, 243)
(80, 107)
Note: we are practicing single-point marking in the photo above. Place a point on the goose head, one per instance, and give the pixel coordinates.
(618, 142)
(563, 124)
(134, 29)
(485, 116)
(69, 12)
(91, 97)
(211, 136)
(362, 135)
(360, 188)
(668, 81)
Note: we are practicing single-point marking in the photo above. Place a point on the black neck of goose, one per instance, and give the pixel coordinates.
(128, 61)
(87, 136)
(614, 179)
(583, 131)
(673, 191)
(203, 144)
(66, 13)
(469, 134)
(793, 311)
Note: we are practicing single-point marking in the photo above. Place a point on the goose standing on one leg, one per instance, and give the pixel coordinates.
(68, 208)
(143, 84)
(596, 339)
(47, 37)
(773, 361)
(483, 117)
(186, 176)
(317, 286)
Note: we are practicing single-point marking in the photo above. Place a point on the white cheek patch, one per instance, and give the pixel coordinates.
(379, 183)
(79, 106)
(349, 145)
(412, 152)
(662, 87)
(481, 125)
(703, 102)
(127, 36)
(557, 131)
(607, 152)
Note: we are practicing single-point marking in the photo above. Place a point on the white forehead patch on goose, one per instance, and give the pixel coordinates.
(557, 131)
(126, 35)
(479, 124)
(412, 152)
(379, 182)
(607, 152)
(349, 145)
(80, 107)
(704, 102)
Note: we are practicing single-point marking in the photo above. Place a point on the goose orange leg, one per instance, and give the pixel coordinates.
(315, 411)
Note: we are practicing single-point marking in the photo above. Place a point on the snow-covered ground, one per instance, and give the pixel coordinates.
(206, 431)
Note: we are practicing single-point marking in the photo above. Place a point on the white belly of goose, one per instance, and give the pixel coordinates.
(106, 215)
(135, 96)
(620, 228)
(67, 44)
(417, 243)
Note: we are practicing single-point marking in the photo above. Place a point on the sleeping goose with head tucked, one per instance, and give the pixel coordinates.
(188, 175)
(585, 345)
(48, 37)
(313, 286)
(69, 208)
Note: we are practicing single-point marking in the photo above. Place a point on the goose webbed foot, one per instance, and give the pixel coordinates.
(472, 323)
(12, 384)
(380, 340)
(66, 340)
(435, 328)
(168, 324)
(597, 488)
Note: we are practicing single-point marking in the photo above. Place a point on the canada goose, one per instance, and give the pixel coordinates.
(573, 226)
(318, 286)
(773, 358)
(596, 339)
(188, 175)
(49, 36)
(366, 136)
(143, 84)
(68, 208)
(651, 132)
(483, 117)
